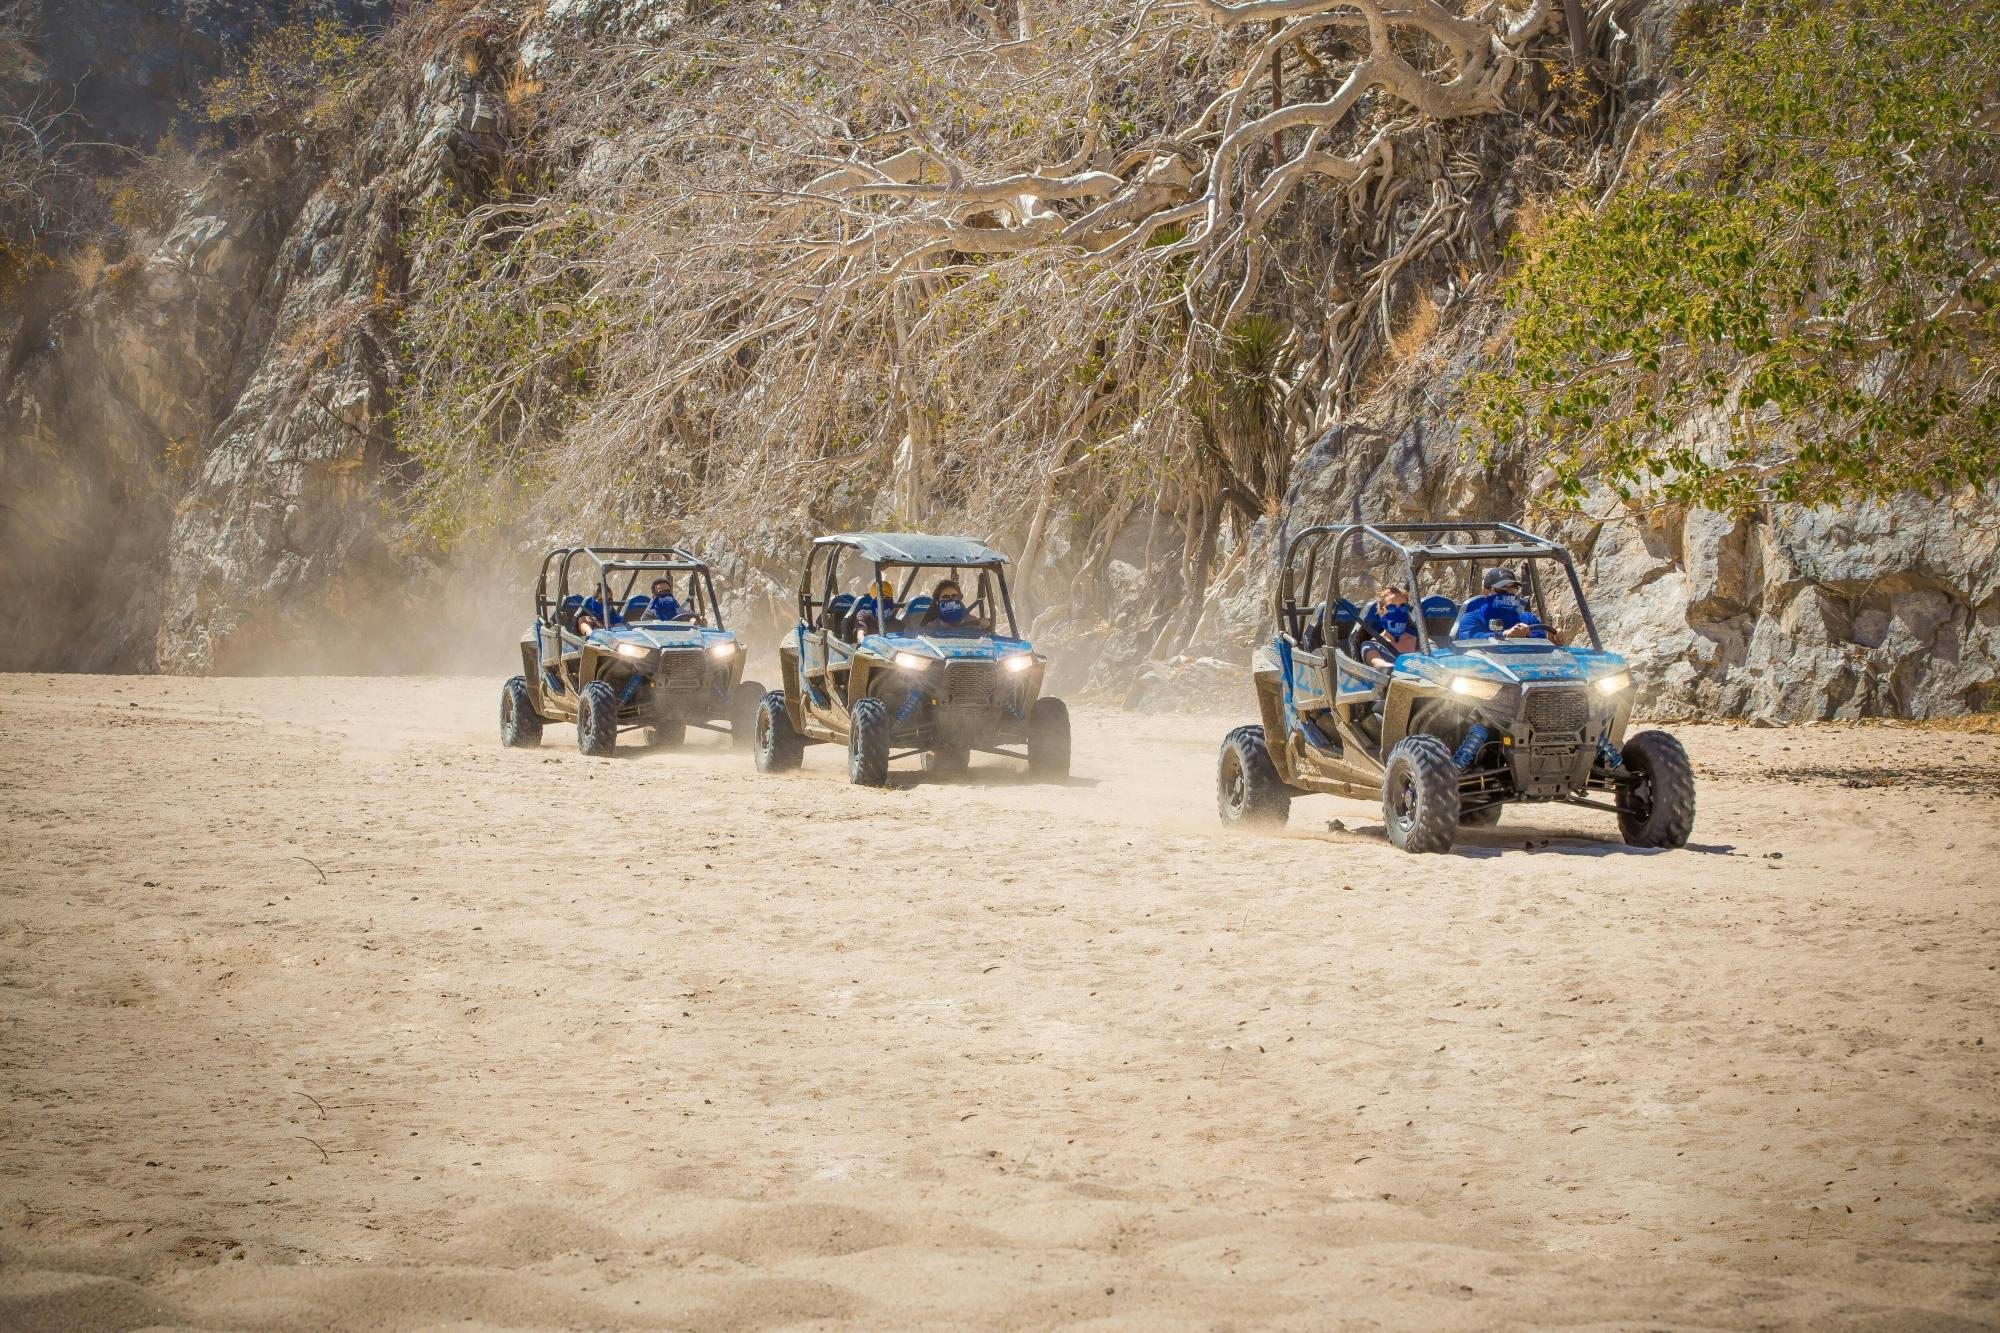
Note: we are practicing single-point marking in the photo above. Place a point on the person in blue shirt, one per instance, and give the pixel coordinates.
(1500, 613)
(1387, 623)
(665, 605)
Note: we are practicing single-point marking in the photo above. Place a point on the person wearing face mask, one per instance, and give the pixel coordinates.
(1501, 613)
(948, 610)
(1388, 628)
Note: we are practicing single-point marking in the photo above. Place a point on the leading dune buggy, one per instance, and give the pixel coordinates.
(877, 663)
(1451, 732)
(606, 654)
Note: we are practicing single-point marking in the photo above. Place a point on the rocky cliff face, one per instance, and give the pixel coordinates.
(197, 467)
(1787, 614)
(194, 456)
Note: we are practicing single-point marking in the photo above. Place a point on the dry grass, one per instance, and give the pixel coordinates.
(87, 265)
(1416, 330)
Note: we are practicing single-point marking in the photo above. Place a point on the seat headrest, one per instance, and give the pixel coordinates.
(1440, 615)
(1344, 612)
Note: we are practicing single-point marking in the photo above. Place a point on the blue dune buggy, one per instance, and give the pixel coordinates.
(884, 661)
(608, 655)
(1447, 732)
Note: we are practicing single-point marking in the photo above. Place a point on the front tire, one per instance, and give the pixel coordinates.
(1248, 791)
(1048, 739)
(520, 724)
(868, 744)
(778, 748)
(1656, 809)
(1420, 795)
(597, 720)
(744, 701)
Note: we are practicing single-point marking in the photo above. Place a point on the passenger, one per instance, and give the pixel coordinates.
(1501, 613)
(592, 617)
(572, 606)
(1390, 632)
(868, 611)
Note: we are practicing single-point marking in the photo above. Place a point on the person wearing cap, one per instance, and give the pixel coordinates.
(665, 606)
(1500, 613)
(871, 609)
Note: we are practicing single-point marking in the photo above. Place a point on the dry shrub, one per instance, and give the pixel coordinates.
(1416, 330)
(87, 265)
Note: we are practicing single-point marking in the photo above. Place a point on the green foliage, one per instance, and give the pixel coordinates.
(295, 76)
(1811, 250)
(502, 337)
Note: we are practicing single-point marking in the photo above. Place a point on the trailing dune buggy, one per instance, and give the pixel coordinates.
(608, 654)
(899, 650)
(1464, 716)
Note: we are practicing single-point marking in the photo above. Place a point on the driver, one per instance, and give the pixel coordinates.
(1501, 613)
(948, 610)
(665, 605)
(1388, 626)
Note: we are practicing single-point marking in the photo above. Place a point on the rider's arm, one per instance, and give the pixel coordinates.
(1472, 621)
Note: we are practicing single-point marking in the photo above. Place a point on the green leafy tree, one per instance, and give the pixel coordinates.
(1810, 247)
(294, 76)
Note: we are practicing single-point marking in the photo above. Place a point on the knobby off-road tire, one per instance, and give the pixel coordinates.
(744, 701)
(777, 747)
(668, 734)
(868, 744)
(1420, 795)
(1486, 817)
(1248, 791)
(947, 760)
(1048, 739)
(597, 720)
(1657, 809)
(520, 724)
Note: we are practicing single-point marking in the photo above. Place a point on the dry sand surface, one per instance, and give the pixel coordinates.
(320, 1010)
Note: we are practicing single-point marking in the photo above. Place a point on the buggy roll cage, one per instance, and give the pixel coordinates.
(884, 552)
(606, 561)
(1484, 542)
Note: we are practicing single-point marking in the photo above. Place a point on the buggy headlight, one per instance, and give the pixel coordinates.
(1475, 687)
(634, 650)
(722, 648)
(913, 661)
(1018, 662)
(1616, 684)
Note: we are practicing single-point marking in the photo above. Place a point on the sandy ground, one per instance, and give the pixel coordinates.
(320, 1010)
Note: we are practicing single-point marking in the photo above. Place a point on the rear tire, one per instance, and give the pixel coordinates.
(778, 748)
(744, 701)
(520, 724)
(670, 734)
(868, 744)
(1656, 810)
(947, 761)
(1248, 791)
(1485, 817)
(1048, 739)
(597, 720)
(1420, 795)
